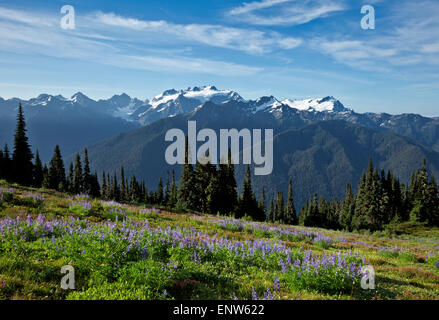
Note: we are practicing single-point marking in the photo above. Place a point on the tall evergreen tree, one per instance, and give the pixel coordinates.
(38, 172)
(159, 194)
(46, 182)
(261, 204)
(271, 212)
(205, 183)
(247, 204)
(187, 192)
(280, 207)
(57, 175)
(87, 179)
(347, 209)
(172, 203)
(104, 191)
(123, 186)
(22, 166)
(78, 176)
(290, 210)
(95, 188)
(167, 189)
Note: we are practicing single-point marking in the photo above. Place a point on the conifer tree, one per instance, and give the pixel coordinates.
(167, 189)
(347, 209)
(172, 203)
(78, 176)
(423, 197)
(261, 204)
(94, 185)
(38, 172)
(290, 210)
(115, 190)
(123, 186)
(205, 174)
(86, 175)
(280, 207)
(247, 204)
(46, 182)
(187, 197)
(159, 194)
(22, 166)
(104, 186)
(271, 212)
(57, 175)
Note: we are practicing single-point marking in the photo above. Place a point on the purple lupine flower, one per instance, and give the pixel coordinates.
(276, 284)
(254, 294)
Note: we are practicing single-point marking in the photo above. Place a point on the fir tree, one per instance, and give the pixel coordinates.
(261, 204)
(94, 186)
(123, 186)
(280, 207)
(167, 189)
(290, 210)
(187, 196)
(46, 181)
(86, 175)
(247, 204)
(38, 172)
(172, 203)
(347, 209)
(57, 175)
(22, 156)
(104, 191)
(70, 179)
(271, 212)
(159, 195)
(78, 176)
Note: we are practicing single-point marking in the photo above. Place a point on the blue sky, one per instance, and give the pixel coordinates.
(286, 48)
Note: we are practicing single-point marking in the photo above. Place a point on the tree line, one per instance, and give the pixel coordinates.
(381, 198)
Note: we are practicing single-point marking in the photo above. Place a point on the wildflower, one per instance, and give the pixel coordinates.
(276, 284)
(254, 294)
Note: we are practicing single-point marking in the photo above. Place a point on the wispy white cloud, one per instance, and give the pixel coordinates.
(247, 40)
(247, 7)
(180, 64)
(25, 17)
(21, 33)
(285, 12)
(409, 38)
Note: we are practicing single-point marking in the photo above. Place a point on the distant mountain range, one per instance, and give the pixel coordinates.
(318, 141)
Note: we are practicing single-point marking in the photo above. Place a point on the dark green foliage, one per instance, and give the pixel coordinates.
(5, 164)
(290, 211)
(347, 209)
(423, 196)
(77, 175)
(87, 178)
(261, 203)
(271, 212)
(57, 175)
(187, 192)
(280, 208)
(38, 172)
(247, 204)
(172, 202)
(227, 188)
(22, 156)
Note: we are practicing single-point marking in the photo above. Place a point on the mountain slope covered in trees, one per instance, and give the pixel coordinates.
(321, 157)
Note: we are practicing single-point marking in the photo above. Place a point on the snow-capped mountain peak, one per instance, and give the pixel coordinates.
(81, 99)
(327, 104)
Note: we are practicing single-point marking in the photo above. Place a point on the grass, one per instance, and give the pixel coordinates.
(130, 252)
